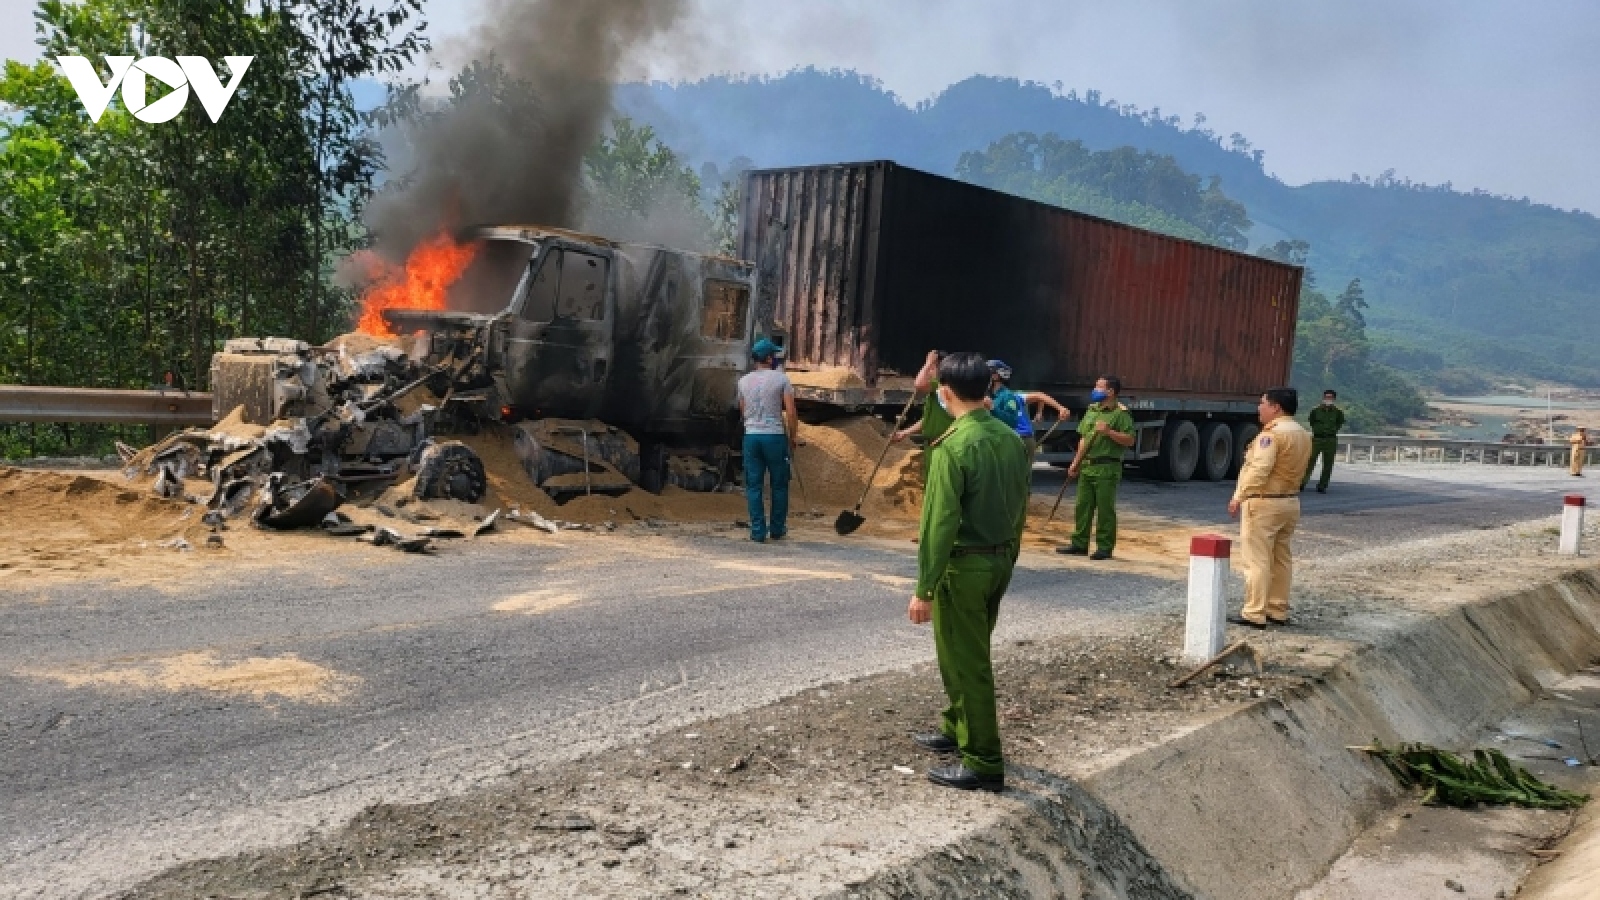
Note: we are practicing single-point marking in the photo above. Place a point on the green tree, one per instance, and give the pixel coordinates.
(638, 188)
(724, 201)
(1332, 351)
(1351, 303)
(340, 42)
(130, 250)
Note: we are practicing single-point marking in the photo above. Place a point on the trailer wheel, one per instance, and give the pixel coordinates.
(1243, 434)
(1180, 451)
(451, 471)
(1216, 446)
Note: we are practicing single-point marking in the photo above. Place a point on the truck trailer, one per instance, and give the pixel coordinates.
(862, 268)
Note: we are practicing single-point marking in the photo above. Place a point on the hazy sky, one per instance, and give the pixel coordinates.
(1482, 93)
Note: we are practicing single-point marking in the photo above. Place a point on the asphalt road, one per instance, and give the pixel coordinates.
(430, 688)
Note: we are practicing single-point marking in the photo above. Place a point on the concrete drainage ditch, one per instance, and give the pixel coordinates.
(1260, 803)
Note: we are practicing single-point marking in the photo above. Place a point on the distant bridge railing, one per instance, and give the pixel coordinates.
(1380, 448)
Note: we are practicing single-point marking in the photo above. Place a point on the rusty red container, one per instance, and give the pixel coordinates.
(867, 266)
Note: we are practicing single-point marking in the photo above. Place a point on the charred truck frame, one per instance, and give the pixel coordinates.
(647, 340)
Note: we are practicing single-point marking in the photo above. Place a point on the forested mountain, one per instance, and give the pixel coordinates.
(1457, 283)
(1131, 186)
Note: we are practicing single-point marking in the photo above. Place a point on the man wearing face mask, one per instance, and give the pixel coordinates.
(1325, 420)
(1104, 432)
(1011, 407)
(972, 517)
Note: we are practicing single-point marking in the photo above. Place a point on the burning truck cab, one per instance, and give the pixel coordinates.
(616, 365)
(646, 338)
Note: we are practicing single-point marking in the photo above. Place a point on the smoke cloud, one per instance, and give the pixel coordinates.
(509, 147)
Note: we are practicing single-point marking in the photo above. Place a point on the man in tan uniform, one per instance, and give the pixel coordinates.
(1269, 497)
(1580, 449)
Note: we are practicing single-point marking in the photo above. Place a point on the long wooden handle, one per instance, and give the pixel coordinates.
(898, 422)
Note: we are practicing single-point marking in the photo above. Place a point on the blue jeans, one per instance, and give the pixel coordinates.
(766, 454)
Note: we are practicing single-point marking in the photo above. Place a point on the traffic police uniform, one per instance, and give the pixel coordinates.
(1099, 474)
(1325, 424)
(1269, 499)
(973, 511)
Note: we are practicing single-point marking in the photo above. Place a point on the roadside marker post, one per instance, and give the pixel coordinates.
(1205, 628)
(1571, 525)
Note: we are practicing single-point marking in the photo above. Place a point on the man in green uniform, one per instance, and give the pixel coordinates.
(973, 511)
(935, 418)
(1326, 420)
(1104, 432)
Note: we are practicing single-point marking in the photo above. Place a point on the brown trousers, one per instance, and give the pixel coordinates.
(1266, 527)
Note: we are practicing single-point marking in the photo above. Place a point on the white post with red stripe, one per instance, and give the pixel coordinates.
(1206, 628)
(1571, 523)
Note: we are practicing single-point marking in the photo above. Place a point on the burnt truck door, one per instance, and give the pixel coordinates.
(558, 353)
(722, 352)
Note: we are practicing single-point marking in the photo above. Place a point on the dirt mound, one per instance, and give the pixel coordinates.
(509, 484)
(56, 522)
(836, 458)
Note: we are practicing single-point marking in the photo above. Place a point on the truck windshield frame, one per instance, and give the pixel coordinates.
(567, 284)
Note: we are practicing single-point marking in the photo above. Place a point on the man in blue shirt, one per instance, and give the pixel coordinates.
(1012, 407)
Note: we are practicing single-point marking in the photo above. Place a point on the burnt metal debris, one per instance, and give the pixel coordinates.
(303, 428)
(615, 364)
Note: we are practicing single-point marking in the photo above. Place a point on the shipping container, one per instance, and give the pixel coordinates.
(862, 268)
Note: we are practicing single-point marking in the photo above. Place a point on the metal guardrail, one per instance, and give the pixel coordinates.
(27, 403)
(1375, 448)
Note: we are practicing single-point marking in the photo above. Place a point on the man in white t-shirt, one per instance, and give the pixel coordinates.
(766, 401)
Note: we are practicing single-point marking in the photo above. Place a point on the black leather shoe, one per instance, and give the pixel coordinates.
(1100, 554)
(1241, 620)
(936, 743)
(1070, 550)
(1322, 490)
(963, 779)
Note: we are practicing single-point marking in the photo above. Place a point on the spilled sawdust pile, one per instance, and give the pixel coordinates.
(828, 379)
(835, 460)
(72, 523)
(288, 677)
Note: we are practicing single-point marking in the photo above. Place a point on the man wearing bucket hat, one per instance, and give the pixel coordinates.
(766, 401)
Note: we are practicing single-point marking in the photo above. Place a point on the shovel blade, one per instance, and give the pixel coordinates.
(848, 522)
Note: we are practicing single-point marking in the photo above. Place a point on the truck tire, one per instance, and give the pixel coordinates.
(1243, 434)
(1180, 451)
(451, 471)
(1216, 450)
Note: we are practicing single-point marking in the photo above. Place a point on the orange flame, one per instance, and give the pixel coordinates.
(424, 282)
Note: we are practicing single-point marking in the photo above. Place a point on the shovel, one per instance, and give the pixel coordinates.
(851, 519)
